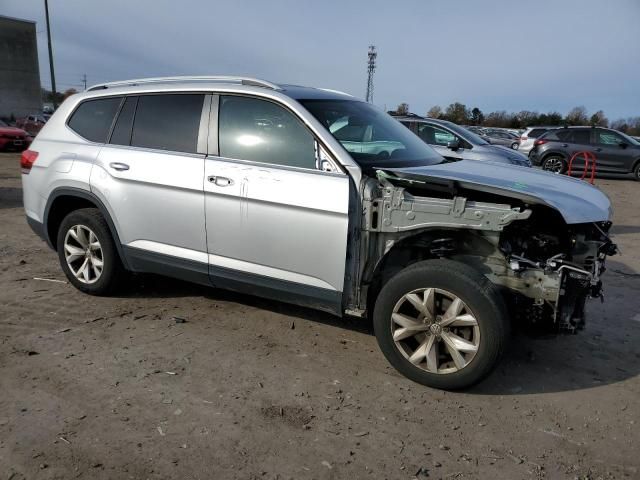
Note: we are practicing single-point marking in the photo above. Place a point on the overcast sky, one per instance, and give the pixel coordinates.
(494, 54)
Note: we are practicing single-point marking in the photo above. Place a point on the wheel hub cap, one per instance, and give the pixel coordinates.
(435, 330)
(83, 254)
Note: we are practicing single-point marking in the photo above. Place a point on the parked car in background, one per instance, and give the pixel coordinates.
(505, 138)
(615, 152)
(31, 123)
(458, 143)
(13, 138)
(530, 135)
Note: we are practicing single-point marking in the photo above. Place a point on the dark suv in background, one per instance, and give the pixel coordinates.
(615, 152)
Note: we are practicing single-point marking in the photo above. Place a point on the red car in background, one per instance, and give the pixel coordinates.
(12, 138)
(31, 123)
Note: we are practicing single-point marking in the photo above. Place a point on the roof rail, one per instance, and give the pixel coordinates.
(256, 82)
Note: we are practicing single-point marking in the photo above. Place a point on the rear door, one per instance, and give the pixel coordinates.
(276, 224)
(150, 177)
(611, 155)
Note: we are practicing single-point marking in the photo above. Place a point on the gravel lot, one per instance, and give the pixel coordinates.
(247, 388)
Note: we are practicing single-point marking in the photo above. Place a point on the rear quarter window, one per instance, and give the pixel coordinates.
(536, 132)
(93, 118)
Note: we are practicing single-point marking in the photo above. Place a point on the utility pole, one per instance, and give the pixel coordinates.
(84, 80)
(371, 67)
(53, 75)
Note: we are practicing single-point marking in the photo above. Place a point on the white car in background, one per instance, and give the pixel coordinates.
(529, 136)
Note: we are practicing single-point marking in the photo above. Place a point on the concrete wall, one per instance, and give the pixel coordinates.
(19, 73)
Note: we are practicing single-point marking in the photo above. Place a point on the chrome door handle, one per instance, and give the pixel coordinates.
(119, 166)
(220, 181)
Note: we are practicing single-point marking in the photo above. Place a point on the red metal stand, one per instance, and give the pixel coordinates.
(588, 157)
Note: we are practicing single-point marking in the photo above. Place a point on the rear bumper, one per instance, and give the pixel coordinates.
(38, 229)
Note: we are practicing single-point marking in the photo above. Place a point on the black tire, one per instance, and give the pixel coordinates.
(636, 172)
(479, 295)
(112, 270)
(549, 164)
(515, 146)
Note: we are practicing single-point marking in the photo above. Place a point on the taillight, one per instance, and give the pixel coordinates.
(27, 159)
(542, 141)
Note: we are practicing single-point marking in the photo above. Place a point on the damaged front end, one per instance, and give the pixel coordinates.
(546, 267)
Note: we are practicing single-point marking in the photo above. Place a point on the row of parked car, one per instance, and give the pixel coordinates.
(548, 147)
(19, 136)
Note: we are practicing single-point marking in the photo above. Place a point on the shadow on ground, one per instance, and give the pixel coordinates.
(542, 364)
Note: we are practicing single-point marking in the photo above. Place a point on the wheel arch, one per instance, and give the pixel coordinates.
(65, 200)
(420, 247)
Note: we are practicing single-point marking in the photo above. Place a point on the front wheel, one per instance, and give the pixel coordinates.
(636, 172)
(441, 323)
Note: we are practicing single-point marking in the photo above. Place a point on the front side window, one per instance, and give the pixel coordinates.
(262, 131)
(93, 118)
(372, 137)
(168, 122)
(605, 137)
(434, 135)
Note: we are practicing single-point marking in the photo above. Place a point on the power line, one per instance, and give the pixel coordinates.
(53, 75)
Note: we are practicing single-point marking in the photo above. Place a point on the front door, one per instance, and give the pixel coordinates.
(439, 138)
(276, 224)
(610, 152)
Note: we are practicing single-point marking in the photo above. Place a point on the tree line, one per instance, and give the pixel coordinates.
(462, 115)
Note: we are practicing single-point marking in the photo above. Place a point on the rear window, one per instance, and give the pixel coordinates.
(536, 132)
(168, 122)
(93, 118)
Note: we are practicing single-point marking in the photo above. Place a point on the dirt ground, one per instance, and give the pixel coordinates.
(107, 388)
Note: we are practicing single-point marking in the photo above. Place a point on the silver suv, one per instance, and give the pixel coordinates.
(313, 197)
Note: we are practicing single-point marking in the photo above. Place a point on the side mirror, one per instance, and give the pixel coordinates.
(453, 145)
(623, 144)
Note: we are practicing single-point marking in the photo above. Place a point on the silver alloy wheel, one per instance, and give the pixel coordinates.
(515, 145)
(553, 164)
(435, 330)
(83, 253)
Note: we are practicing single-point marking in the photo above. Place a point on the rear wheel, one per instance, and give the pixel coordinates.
(441, 323)
(554, 163)
(515, 145)
(87, 252)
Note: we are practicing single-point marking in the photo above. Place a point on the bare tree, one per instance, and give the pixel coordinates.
(599, 120)
(457, 113)
(435, 112)
(577, 116)
(403, 109)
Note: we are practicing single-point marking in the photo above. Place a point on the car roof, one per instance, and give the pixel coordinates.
(296, 92)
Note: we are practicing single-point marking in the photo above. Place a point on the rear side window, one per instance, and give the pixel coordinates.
(168, 122)
(580, 136)
(261, 131)
(93, 118)
(122, 130)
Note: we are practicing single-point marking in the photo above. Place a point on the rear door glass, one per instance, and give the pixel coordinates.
(93, 118)
(168, 122)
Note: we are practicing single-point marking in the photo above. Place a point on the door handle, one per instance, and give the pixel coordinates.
(119, 166)
(220, 181)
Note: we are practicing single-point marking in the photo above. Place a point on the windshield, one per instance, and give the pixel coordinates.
(629, 139)
(372, 137)
(471, 137)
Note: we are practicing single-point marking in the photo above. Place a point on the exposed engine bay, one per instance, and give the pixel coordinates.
(545, 267)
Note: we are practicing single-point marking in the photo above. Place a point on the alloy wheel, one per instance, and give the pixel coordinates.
(553, 164)
(83, 254)
(435, 330)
